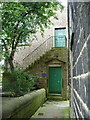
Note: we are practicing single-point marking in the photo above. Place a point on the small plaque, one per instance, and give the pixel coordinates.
(44, 74)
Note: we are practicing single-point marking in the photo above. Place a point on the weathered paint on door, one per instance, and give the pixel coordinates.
(55, 80)
(60, 40)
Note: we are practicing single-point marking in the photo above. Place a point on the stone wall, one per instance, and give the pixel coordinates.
(24, 106)
(57, 56)
(79, 39)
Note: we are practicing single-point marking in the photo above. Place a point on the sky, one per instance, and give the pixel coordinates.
(64, 2)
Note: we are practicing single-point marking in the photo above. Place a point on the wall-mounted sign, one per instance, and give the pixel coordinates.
(44, 74)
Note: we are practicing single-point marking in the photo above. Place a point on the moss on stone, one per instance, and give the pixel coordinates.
(23, 107)
(56, 56)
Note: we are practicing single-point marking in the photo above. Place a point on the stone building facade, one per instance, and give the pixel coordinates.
(27, 54)
(55, 59)
(79, 43)
(47, 58)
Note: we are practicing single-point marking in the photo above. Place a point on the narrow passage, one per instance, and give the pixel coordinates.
(53, 109)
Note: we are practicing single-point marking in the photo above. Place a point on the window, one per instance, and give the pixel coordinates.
(60, 37)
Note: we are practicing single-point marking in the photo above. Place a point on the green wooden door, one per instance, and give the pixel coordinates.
(55, 80)
(60, 40)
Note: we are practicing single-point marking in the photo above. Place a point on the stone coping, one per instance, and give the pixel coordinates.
(11, 104)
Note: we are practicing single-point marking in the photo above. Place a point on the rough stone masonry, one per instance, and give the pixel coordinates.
(79, 39)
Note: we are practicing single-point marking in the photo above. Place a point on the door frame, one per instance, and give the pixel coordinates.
(49, 77)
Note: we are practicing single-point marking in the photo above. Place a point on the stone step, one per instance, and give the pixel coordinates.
(55, 97)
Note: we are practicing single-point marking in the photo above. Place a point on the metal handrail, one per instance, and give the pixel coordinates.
(37, 52)
(42, 44)
(37, 47)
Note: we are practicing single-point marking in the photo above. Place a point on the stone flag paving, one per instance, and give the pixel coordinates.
(53, 109)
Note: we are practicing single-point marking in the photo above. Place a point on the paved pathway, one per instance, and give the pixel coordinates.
(53, 109)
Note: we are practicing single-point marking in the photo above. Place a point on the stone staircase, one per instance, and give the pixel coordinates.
(38, 52)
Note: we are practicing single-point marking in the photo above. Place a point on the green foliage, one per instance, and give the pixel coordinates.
(20, 20)
(18, 82)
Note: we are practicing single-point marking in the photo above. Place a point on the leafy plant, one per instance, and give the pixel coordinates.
(18, 82)
(21, 20)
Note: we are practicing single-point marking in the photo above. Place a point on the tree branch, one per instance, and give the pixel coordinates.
(15, 45)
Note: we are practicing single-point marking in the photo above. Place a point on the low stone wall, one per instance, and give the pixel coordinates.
(24, 106)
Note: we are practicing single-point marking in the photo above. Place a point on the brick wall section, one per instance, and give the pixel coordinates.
(80, 83)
